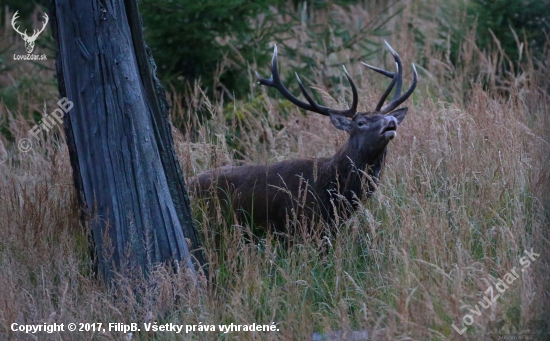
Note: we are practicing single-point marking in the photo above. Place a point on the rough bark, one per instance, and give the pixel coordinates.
(125, 168)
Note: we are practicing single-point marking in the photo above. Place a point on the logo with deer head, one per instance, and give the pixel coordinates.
(29, 40)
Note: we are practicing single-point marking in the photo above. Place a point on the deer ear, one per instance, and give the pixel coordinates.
(340, 122)
(399, 114)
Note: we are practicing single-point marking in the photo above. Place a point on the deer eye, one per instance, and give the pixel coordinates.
(361, 123)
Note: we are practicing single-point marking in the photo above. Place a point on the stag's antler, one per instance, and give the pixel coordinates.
(275, 82)
(35, 32)
(397, 80)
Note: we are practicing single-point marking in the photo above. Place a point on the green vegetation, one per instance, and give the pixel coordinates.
(512, 22)
(216, 41)
(191, 39)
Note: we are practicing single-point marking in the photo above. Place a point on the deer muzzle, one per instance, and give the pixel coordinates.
(389, 128)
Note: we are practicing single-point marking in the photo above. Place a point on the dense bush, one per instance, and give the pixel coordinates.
(529, 19)
(217, 40)
(189, 39)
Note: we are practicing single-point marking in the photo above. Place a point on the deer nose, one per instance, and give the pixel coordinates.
(392, 122)
(389, 123)
(389, 127)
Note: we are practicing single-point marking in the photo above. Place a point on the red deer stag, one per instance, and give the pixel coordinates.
(271, 196)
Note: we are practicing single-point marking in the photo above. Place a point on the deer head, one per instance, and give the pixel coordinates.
(368, 130)
(29, 41)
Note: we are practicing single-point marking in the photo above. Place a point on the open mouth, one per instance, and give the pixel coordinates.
(392, 126)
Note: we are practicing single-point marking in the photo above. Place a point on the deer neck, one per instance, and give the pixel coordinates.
(350, 165)
(351, 158)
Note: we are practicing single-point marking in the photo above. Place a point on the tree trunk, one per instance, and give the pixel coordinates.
(125, 169)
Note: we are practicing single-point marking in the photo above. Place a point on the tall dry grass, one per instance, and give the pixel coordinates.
(463, 194)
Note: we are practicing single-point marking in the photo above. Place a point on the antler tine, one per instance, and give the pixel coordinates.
(355, 101)
(397, 80)
(317, 108)
(399, 71)
(388, 90)
(327, 111)
(394, 104)
(382, 71)
(379, 70)
(275, 82)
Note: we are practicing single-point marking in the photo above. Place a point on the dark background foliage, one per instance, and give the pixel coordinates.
(186, 39)
(185, 35)
(216, 41)
(191, 39)
(528, 18)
